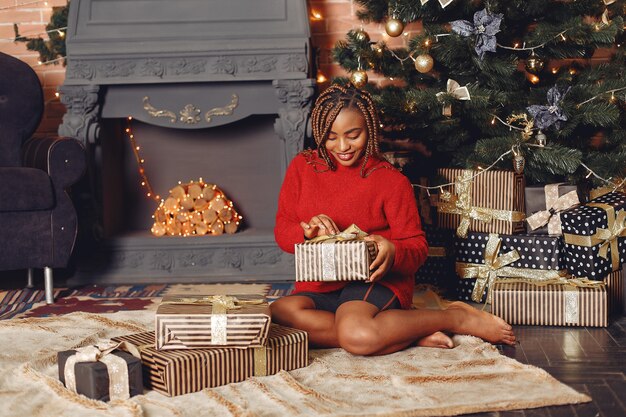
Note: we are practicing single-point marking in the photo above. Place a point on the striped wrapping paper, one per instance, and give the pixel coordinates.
(558, 305)
(500, 190)
(337, 261)
(177, 372)
(195, 326)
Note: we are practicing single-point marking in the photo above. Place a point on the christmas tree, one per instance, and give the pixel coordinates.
(504, 82)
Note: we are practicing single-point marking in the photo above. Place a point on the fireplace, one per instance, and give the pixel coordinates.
(216, 90)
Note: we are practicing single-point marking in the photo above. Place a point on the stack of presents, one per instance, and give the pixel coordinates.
(538, 255)
(199, 342)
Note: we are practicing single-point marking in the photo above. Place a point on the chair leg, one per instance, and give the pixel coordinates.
(30, 275)
(48, 284)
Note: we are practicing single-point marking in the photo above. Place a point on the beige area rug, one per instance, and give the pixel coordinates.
(472, 377)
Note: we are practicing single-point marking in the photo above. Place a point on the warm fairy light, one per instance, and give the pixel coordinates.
(516, 45)
(39, 62)
(563, 37)
(406, 33)
(61, 33)
(57, 94)
(493, 121)
(140, 161)
(316, 15)
(612, 99)
(572, 71)
(589, 175)
(427, 42)
(534, 79)
(321, 78)
(391, 78)
(555, 70)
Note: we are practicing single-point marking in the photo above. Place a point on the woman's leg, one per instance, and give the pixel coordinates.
(362, 330)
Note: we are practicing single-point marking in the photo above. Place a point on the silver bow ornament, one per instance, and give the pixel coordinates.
(554, 206)
(116, 367)
(443, 3)
(454, 89)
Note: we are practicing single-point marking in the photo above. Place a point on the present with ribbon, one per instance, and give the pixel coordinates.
(345, 256)
(560, 302)
(178, 372)
(481, 258)
(595, 236)
(207, 321)
(486, 201)
(101, 372)
(438, 270)
(453, 89)
(544, 205)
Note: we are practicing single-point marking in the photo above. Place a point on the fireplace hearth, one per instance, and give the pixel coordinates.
(216, 90)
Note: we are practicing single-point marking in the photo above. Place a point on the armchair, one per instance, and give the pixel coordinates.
(38, 222)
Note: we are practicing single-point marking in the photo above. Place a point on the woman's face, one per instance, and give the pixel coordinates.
(347, 139)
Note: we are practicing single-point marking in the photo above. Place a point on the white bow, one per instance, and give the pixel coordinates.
(444, 3)
(455, 89)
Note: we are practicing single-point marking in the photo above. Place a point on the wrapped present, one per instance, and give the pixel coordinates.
(481, 258)
(438, 270)
(177, 372)
(595, 236)
(341, 257)
(101, 372)
(486, 201)
(196, 322)
(544, 205)
(564, 302)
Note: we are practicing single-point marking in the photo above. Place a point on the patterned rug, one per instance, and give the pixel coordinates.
(110, 299)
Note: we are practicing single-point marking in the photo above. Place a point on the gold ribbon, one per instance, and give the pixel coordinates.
(496, 266)
(260, 361)
(606, 238)
(554, 206)
(220, 304)
(461, 204)
(436, 251)
(455, 90)
(117, 368)
(352, 232)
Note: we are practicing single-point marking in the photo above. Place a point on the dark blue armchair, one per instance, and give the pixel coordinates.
(38, 222)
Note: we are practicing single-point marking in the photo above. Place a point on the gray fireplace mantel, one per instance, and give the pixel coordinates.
(188, 65)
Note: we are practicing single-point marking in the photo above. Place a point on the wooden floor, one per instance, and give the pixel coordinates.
(590, 360)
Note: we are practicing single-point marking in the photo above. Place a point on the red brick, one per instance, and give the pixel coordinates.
(604, 53)
(327, 41)
(55, 110)
(24, 16)
(49, 94)
(49, 126)
(54, 76)
(15, 48)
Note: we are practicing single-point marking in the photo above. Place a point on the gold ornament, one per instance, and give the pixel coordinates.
(424, 63)
(394, 27)
(358, 78)
(362, 35)
(534, 64)
(541, 139)
(519, 162)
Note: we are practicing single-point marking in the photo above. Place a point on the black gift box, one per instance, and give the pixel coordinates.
(584, 221)
(536, 252)
(535, 198)
(438, 270)
(92, 378)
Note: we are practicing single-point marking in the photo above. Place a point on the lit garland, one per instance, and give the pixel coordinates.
(140, 161)
(24, 36)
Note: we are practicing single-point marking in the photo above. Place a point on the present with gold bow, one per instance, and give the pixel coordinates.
(559, 302)
(101, 372)
(345, 256)
(455, 90)
(486, 201)
(207, 321)
(595, 236)
(544, 205)
(482, 258)
(178, 372)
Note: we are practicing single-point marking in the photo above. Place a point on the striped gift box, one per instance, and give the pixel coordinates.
(184, 322)
(499, 190)
(335, 261)
(558, 305)
(177, 372)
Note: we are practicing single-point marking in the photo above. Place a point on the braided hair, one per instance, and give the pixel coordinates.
(328, 105)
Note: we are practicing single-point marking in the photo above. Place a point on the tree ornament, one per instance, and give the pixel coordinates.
(484, 28)
(519, 162)
(394, 27)
(534, 64)
(552, 114)
(358, 78)
(361, 35)
(541, 139)
(424, 63)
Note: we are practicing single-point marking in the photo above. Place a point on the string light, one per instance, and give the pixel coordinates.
(321, 78)
(316, 15)
(59, 30)
(140, 161)
(532, 48)
(612, 99)
(52, 61)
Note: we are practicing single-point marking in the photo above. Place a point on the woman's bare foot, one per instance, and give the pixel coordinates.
(436, 340)
(482, 324)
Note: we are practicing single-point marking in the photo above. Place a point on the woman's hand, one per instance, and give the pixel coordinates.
(319, 225)
(384, 260)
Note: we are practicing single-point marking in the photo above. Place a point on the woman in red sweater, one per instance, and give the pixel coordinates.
(346, 181)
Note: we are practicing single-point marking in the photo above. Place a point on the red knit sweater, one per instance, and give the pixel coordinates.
(382, 203)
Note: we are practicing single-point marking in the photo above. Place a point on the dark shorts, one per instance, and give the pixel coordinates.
(375, 294)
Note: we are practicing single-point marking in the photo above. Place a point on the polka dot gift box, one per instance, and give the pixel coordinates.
(595, 236)
(541, 253)
(438, 270)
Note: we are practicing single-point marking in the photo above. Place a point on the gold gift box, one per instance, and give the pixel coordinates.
(197, 322)
(177, 372)
(527, 303)
(334, 261)
(495, 202)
